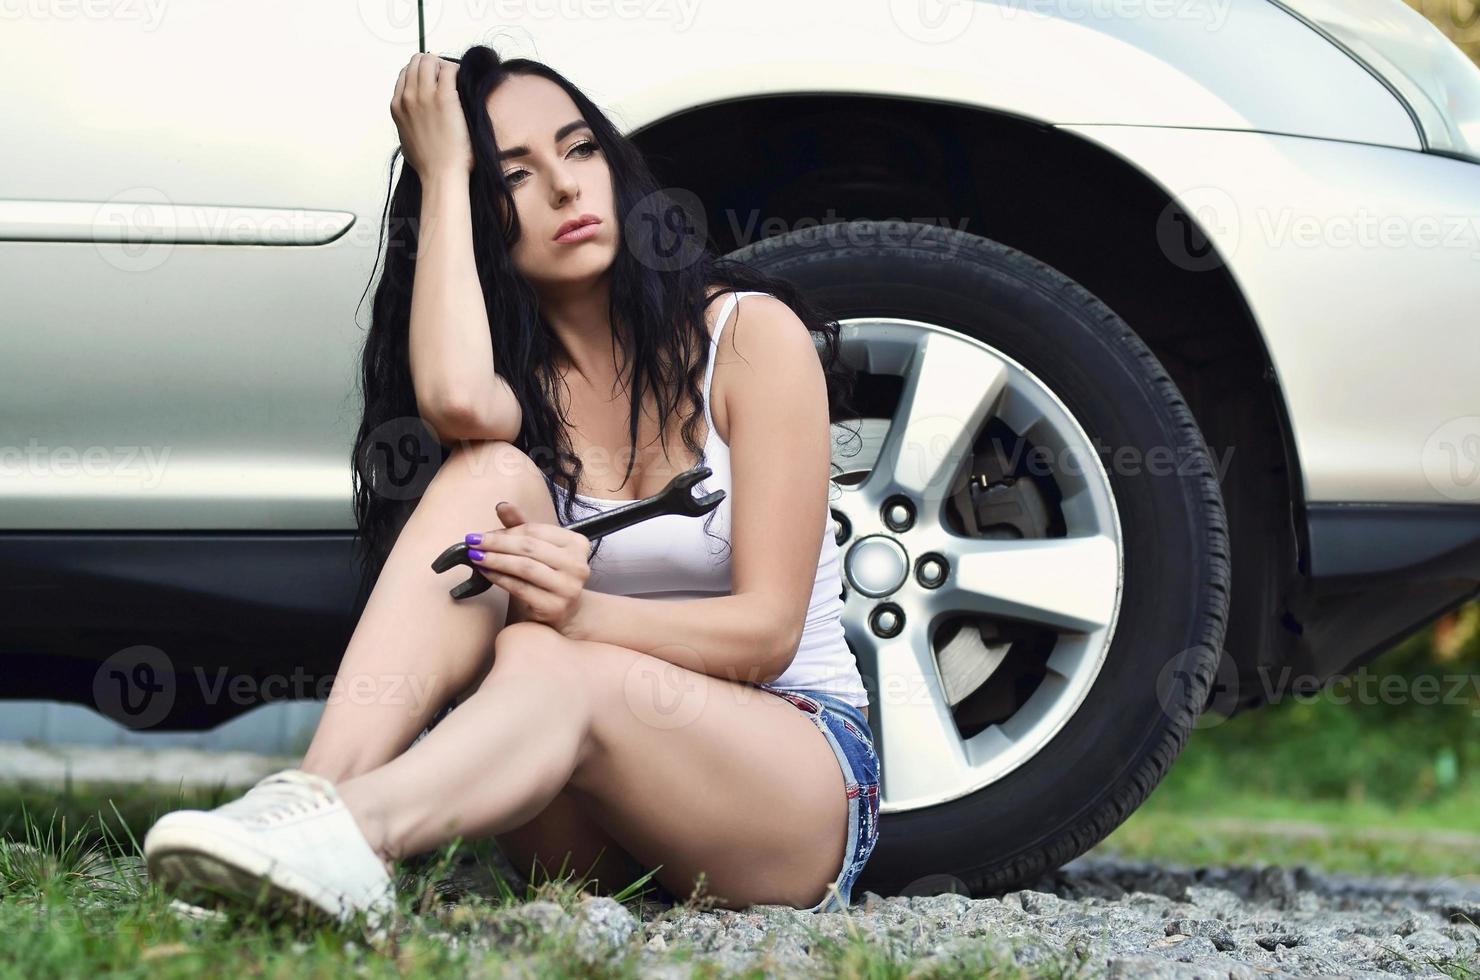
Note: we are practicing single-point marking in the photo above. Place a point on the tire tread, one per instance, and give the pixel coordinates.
(1212, 619)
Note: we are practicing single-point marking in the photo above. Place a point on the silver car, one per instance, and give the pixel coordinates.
(1166, 312)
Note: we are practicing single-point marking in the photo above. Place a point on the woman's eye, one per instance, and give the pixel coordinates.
(585, 148)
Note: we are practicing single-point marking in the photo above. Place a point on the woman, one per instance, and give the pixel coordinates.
(652, 703)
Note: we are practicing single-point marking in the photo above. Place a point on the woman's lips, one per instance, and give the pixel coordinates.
(580, 234)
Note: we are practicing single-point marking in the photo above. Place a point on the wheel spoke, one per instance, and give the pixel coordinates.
(1067, 586)
(914, 724)
(1064, 584)
(950, 389)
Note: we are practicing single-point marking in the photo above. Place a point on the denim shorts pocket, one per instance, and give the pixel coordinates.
(849, 735)
(800, 699)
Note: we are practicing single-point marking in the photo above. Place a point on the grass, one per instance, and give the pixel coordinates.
(1385, 788)
(1369, 776)
(1158, 835)
(1195, 817)
(74, 902)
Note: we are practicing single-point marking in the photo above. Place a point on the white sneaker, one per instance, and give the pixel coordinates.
(195, 913)
(290, 838)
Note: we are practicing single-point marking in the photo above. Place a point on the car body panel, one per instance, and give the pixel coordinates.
(1050, 62)
(210, 384)
(1361, 265)
(187, 227)
(162, 373)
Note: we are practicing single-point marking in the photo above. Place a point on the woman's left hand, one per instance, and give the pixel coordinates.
(542, 566)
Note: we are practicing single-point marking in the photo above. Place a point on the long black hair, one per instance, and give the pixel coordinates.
(658, 285)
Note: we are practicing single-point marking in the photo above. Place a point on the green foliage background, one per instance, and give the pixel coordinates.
(1375, 738)
(1376, 756)
(1458, 19)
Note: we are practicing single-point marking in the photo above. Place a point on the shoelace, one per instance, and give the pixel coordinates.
(275, 800)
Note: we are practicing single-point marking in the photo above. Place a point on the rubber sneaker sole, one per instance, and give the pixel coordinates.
(194, 863)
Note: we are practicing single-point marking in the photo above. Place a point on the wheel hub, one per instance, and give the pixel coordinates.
(877, 566)
(984, 647)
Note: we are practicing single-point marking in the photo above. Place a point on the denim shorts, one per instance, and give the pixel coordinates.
(852, 741)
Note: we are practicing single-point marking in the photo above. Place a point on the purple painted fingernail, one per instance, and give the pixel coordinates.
(474, 538)
(475, 554)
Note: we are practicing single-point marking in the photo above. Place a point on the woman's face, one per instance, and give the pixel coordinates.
(556, 172)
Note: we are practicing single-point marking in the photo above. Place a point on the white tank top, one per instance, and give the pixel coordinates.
(673, 557)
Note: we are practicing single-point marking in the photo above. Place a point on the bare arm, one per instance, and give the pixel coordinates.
(458, 392)
(780, 439)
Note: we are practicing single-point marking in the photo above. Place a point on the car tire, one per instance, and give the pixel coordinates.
(1158, 665)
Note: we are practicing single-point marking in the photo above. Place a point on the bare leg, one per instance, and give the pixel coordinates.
(415, 648)
(498, 760)
(744, 789)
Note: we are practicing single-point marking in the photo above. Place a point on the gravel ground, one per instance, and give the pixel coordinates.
(1116, 918)
(1095, 917)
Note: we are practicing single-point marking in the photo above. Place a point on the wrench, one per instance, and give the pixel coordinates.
(675, 498)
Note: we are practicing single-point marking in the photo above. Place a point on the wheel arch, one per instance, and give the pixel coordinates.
(764, 166)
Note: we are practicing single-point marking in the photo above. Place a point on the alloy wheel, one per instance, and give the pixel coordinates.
(982, 559)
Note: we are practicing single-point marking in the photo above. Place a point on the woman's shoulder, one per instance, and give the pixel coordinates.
(769, 321)
(715, 291)
(711, 308)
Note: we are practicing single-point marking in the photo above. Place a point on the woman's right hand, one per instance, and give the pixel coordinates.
(429, 117)
(544, 568)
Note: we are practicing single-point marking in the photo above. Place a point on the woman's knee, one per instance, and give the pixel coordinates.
(493, 460)
(532, 646)
(485, 471)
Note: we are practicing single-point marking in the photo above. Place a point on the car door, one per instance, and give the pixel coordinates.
(188, 218)
(190, 207)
